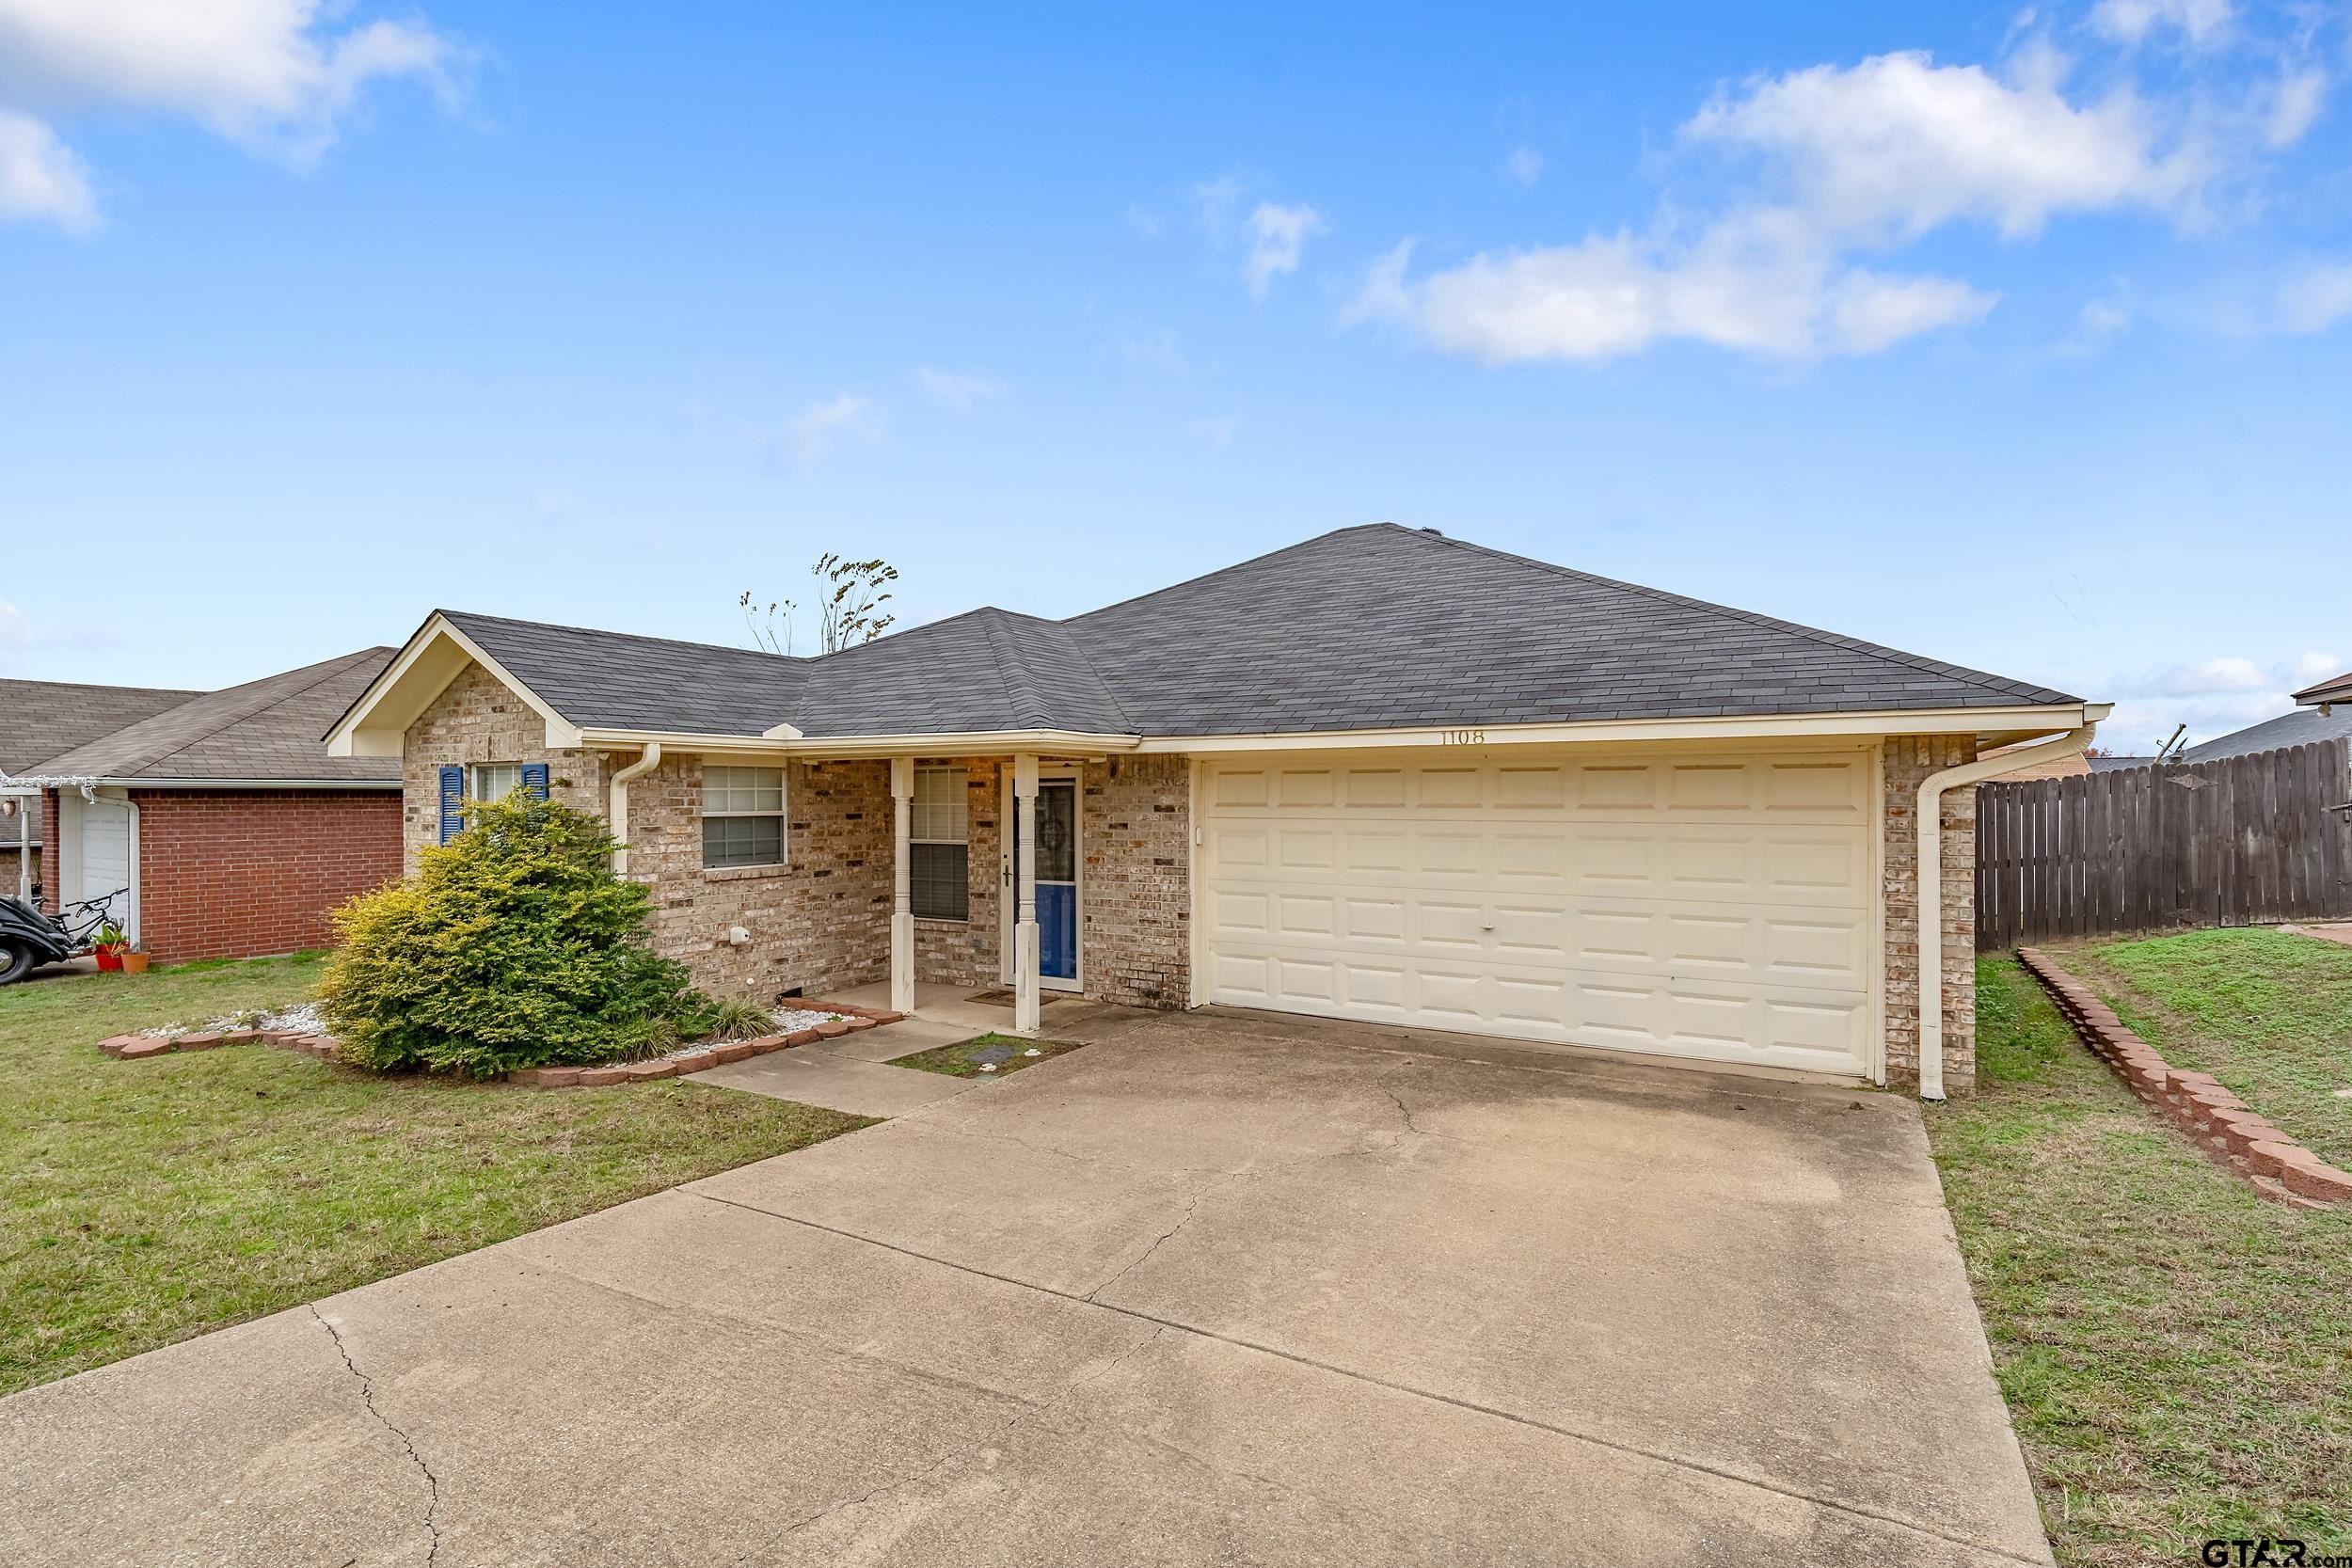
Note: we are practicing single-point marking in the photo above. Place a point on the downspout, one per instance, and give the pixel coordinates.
(1929, 822)
(647, 760)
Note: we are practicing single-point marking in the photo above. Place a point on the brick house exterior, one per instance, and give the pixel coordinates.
(231, 831)
(233, 873)
(1450, 787)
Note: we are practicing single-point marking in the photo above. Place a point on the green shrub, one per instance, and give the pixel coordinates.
(738, 1018)
(514, 946)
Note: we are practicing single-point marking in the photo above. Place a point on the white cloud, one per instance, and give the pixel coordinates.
(2295, 106)
(2313, 297)
(1897, 145)
(40, 179)
(817, 429)
(1215, 434)
(1154, 347)
(1741, 287)
(958, 391)
(2132, 21)
(1278, 236)
(279, 77)
(2213, 698)
(1525, 165)
(1831, 165)
(2100, 323)
(15, 631)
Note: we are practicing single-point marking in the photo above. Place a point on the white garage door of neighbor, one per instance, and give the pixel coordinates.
(1707, 906)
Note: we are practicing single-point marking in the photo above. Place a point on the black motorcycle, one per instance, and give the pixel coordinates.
(29, 938)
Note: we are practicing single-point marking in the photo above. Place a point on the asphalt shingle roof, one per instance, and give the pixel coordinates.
(41, 719)
(264, 729)
(2299, 728)
(1371, 627)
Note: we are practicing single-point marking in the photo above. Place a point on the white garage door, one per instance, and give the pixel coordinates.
(1710, 906)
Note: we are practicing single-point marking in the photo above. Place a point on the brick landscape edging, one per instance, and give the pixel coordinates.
(134, 1048)
(2222, 1124)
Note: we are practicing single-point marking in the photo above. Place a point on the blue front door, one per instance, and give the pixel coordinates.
(1058, 880)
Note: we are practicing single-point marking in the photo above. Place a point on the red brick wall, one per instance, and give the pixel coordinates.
(229, 874)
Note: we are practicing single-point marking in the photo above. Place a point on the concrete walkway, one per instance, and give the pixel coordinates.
(1222, 1289)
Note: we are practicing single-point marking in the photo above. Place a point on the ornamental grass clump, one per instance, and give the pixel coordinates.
(513, 946)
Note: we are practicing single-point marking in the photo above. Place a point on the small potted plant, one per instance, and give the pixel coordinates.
(110, 945)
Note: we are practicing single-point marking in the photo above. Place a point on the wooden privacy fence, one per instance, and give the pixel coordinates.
(2243, 841)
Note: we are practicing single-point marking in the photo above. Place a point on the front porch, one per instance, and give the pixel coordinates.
(1064, 1014)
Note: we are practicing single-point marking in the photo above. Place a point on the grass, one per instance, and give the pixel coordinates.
(148, 1201)
(2172, 1347)
(1010, 1053)
(2267, 1013)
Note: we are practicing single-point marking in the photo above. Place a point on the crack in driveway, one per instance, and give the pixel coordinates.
(367, 1397)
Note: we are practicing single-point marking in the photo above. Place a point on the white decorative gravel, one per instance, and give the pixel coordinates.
(786, 1021)
(303, 1017)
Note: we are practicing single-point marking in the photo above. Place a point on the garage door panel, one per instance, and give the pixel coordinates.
(1710, 907)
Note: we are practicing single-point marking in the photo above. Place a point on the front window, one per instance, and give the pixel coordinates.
(939, 856)
(495, 781)
(742, 817)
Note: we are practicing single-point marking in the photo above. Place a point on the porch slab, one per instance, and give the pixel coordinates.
(1064, 1016)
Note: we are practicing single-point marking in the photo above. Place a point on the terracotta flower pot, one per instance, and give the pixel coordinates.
(134, 963)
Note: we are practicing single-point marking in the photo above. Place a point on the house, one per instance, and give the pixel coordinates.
(1381, 775)
(38, 720)
(2300, 728)
(220, 817)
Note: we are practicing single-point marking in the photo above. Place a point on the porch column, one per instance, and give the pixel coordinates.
(1024, 999)
(903, 888)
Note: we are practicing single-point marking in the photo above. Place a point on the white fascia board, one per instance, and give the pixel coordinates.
(2021, 720)
(966, 744)
(247, 784)
(353, 736)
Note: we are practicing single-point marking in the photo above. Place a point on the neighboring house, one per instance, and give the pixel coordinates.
(2324, 695)
(41, 719)
(2302, 727)
(1381, 775)
(229, 828)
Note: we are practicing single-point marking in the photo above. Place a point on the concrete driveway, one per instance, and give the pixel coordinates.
(1219, 1289)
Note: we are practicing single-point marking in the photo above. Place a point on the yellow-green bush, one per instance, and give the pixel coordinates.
(514, 946)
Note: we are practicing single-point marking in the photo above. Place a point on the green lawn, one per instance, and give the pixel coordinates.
(148, 1201)
(2175, 1349)
(1010, 1053)
(2266, 1012)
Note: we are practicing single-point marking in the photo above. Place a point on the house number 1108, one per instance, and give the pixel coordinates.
(1461, 737)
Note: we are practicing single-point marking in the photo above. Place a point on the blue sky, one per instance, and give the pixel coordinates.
(2021, 339)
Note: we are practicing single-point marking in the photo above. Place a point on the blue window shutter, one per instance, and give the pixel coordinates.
(536, 780)
(453, 802)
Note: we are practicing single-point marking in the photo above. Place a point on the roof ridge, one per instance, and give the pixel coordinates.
(1001, 643)
(339, 664)
(1982, 678)
(1221, 571)
(1077, 645)
(630, 635)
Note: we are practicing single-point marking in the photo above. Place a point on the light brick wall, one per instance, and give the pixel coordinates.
(235, 873)
(818, 924)
(1907, 761)
(822, 923)
(1137, 832)
(476, 718)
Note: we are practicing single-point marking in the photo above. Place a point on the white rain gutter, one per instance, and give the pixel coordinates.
(1929, 819)
(647, 760)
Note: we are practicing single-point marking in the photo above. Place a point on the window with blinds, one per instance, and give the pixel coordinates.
(938, 846)
(742, 817)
